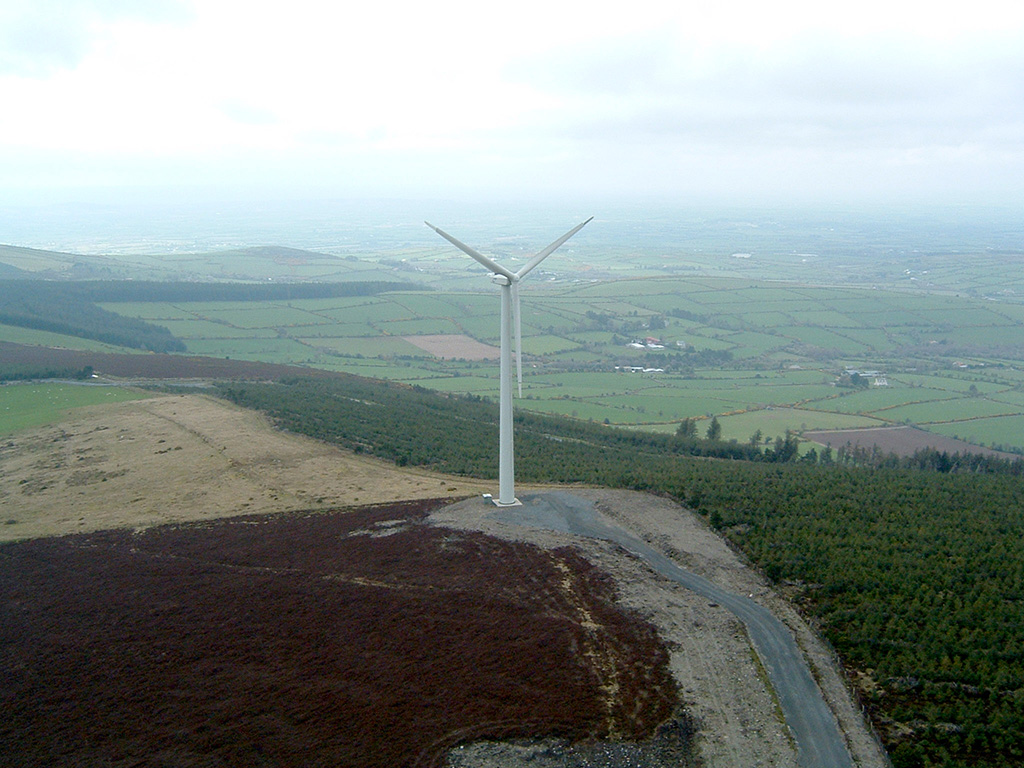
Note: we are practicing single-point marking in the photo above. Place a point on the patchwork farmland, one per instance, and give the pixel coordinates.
(765, 359)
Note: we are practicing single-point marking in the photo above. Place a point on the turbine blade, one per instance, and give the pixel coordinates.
(550, 249)
(489, 263)
(517, 321)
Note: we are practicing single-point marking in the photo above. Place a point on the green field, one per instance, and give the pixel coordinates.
(731, 347)
(32, 337)
(34, 405)
(1003, 432)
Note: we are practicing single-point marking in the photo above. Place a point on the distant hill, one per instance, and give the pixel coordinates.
(251, 264)
(50, 265)
(8, 272)
(147, 290)
(275, 252)
(60, 307)
(16, 261)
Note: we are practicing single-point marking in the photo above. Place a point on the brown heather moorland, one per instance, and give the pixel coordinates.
(355, 638)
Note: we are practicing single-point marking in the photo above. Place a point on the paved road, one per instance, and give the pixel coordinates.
(814, 728)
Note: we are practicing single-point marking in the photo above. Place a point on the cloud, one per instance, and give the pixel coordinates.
(41, 37)
(728, 94)
(248, 113)
(810, 92)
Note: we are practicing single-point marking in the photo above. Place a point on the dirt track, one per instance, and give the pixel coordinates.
(177, 458)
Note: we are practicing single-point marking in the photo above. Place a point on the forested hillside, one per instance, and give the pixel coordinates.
(71, 307)
(915, 575)
(62, 308)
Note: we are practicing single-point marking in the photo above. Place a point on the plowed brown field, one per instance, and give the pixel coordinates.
(454, 347)
(903, 441)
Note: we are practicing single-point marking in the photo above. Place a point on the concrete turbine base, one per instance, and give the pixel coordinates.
(499, 503)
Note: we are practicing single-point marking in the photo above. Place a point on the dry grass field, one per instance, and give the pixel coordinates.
(179, 458)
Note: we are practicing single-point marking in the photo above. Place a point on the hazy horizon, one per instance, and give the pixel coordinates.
(360, 226)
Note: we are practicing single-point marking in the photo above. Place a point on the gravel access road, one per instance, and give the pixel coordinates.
(819, 741)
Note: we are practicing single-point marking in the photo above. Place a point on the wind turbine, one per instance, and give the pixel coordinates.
(509, 283)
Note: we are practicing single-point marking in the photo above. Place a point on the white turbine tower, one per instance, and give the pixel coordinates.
(509, 282)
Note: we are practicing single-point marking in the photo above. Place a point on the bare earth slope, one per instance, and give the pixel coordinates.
(180, 458)
(177, 458)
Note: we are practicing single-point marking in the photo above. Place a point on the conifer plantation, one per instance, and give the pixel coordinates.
(912, 568)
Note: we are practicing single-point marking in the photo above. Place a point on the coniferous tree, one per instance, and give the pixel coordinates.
(714, 429)
(687, 428)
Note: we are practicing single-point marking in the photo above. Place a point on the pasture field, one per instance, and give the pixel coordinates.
(771, 422)
(485, 386)
(1012, 396)
(547, 345)
(362, 345)
(189, 329)
(424, 326)
(34, 405)
(877, 399)
(1003, 433)
(36, 338)
(954, 409)
(728, 346)
(270, 315)
(154, 311)
(269, 349)
(574, 409)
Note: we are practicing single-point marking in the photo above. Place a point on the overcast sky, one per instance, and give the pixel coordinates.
(720, 100)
